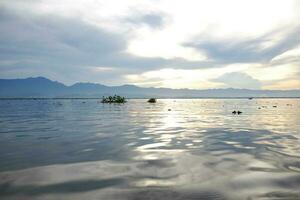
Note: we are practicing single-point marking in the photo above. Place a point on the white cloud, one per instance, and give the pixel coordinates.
(184, 78)
(284, 85)
(292, 53)
(238, 80)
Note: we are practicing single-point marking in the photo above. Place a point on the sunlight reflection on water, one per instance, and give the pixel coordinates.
(174, 149)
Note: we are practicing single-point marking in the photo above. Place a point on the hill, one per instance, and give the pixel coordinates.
(43, 87)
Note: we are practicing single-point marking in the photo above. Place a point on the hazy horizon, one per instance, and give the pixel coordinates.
(43, 87)
(99, 83)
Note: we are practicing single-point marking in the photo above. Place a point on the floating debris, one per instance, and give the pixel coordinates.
(169, 109)
(274, 106)
(152, 100)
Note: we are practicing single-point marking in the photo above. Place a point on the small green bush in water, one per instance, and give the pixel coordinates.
(113, 99)
(152, 100)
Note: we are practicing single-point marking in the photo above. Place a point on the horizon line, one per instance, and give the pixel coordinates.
(127, 84)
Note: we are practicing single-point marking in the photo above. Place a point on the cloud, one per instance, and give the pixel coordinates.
(54, 46)
(285, 85)
(238, 80)
(105, 41)
(236, 50)
(152, 20)
(55, 36)
(179, 78)
(38, 44)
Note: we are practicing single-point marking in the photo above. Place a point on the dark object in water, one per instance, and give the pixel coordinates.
(113, 99)
(259, 108)
(250, 98)
(152, 100)
(58, 104)
(274, 106)
(237, 112)
(169, 109)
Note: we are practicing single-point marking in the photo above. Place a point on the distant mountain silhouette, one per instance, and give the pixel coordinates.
(43, 87)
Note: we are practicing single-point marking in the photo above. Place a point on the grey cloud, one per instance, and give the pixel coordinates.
(53, 36)
(238, 80)
(153, 20)
(64, 46)
(234, 50)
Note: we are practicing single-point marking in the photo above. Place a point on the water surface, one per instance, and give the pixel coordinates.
(174, 149)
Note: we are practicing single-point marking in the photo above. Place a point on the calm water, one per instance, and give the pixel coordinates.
(81, 149)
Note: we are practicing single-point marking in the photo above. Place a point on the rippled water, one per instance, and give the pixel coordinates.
(81, 149)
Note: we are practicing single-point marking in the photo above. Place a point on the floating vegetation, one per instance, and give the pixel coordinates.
(152, 100)
(113, 99)
(237, 112)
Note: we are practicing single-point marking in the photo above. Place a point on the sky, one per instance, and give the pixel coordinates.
(197, 44)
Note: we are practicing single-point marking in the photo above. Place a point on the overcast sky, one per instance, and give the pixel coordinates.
(252, 44)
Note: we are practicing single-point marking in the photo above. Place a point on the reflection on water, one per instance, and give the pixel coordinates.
(174, 149)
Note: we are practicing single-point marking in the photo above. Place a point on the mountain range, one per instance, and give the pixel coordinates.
(43, 87)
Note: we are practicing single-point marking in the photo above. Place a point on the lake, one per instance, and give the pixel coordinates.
(173, 149)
